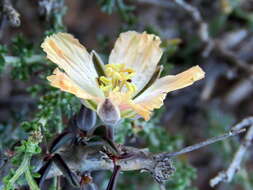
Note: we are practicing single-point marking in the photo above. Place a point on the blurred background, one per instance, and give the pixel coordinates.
(217, 35)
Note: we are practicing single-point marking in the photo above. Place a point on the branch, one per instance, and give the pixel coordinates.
(32, 59)
(159, 165)
(203, 33)
(194, 12)
(81, 159)
(213, 44)
(227, 176)
(244, 123)
(47, 7)
(204, 143)
(159, 3)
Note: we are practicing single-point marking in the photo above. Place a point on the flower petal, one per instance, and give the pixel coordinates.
(153, 97)
(65, 51)
(140, 52)
(62, 81)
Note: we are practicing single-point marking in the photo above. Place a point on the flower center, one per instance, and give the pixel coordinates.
(117, 79)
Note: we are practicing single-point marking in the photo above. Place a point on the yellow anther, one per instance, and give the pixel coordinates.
(109, 71)
(134, 88)
(130, 75)
(131, 87)
(118, 78)
(104, 80)
(116, 89)
(106, 89)
(111, 67)
(129, 71)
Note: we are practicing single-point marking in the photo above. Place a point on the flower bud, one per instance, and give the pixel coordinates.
(108, 112)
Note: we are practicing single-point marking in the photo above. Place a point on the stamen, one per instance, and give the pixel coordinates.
(104, 80)
(117, 79)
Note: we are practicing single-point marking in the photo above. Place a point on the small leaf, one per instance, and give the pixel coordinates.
(154, 77)
(71, 177)
(105, 133)
(30, 180)
(61, 140)
(43, 172)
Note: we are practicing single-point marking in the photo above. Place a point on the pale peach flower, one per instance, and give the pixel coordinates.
(130, 81)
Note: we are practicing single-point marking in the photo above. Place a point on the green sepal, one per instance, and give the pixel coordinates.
(89, 104)
(154, 77)
(98, 63)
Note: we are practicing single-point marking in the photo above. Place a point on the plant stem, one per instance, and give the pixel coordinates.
(32, 59)
(22, 168)
(29, 178)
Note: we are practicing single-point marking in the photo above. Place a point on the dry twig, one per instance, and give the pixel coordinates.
(159, 165)
(203, 32)
(227, 176)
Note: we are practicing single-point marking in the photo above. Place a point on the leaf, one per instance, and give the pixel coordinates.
(61, 140)
(104, 132)
(31, 182)
(44, 170)
(71, 177)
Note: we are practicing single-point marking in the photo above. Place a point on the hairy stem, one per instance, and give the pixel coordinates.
(21, 170)
(32, 59)
(29, 178)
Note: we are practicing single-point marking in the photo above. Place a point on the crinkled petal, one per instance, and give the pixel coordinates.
(121, 99)
(62, 81)
(153, 97)
(65, 51)
(140, 52)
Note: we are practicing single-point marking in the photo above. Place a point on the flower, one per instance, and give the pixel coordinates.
(129, 84)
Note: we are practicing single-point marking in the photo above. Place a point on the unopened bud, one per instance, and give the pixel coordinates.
(108, 112)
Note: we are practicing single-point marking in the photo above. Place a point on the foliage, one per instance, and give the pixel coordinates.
(22, 158)
(125, 11)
